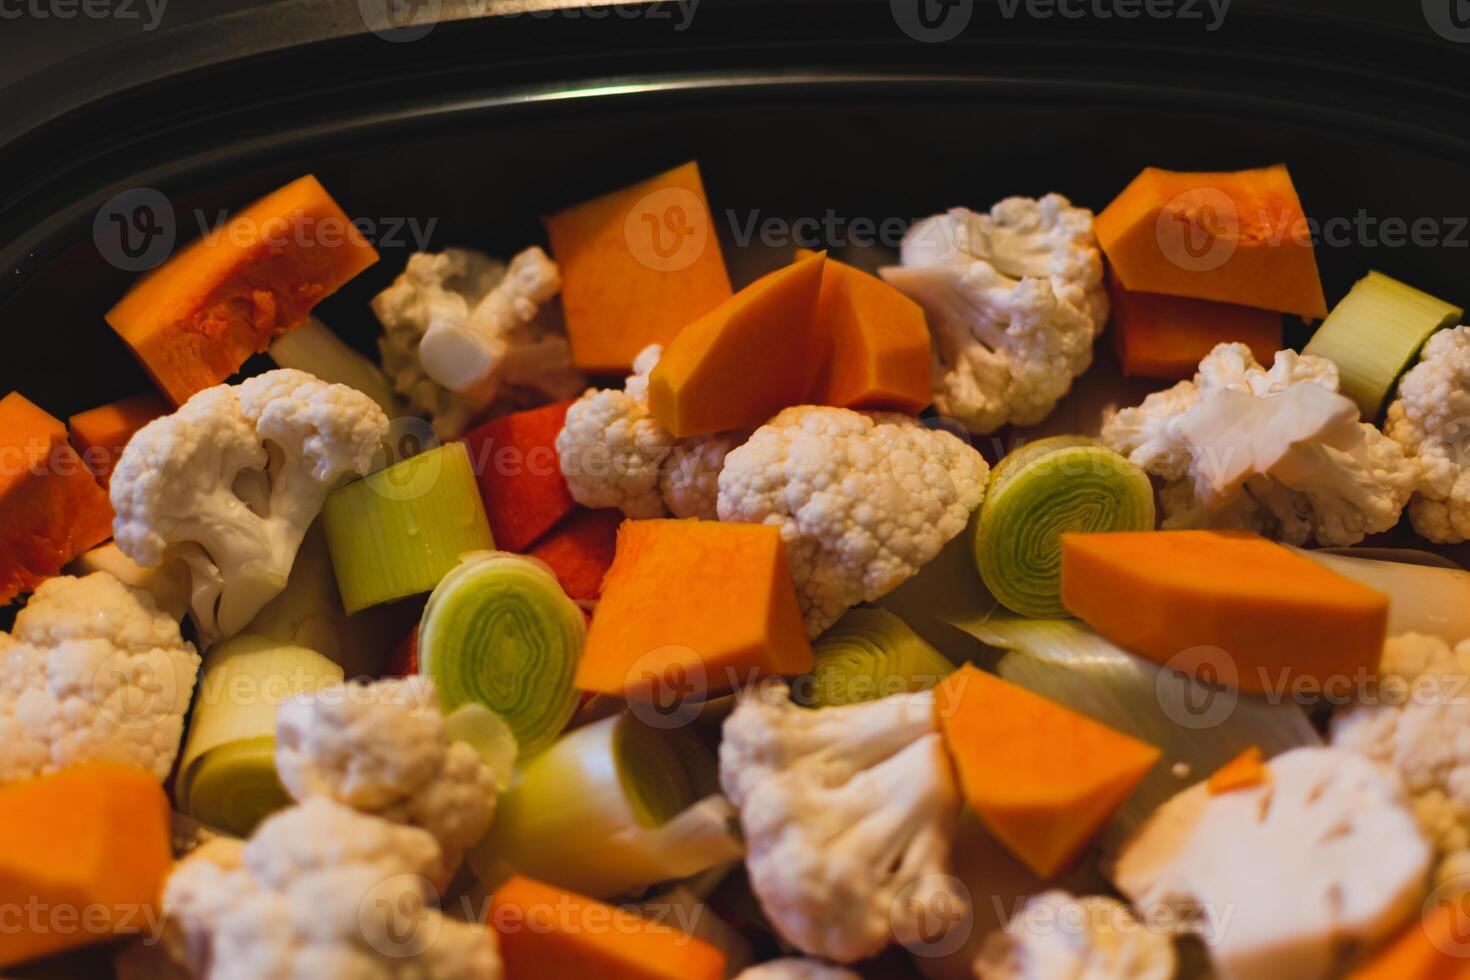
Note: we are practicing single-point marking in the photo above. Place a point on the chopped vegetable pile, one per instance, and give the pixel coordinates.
(701, 641)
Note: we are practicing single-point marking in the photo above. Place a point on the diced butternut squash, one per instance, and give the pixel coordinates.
(1252, 613)
(549, 932)
(1237, 237)
(880, 343)
(101, 434)
(706, 604)
(1242, 772)
(86, 848)
(1431, 947)
(637, 266)
(760, 351)
(51, 508)
(1157, 336)
(195, 319)
(1043, 778)
(580, 550)
(515, 463)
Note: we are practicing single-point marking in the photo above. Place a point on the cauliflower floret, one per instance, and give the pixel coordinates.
(1280, 879)
(1430, 418)
(863, 500)
(1014, 298)
(1059, 937)
(1419, 728)
(796, 969)
(381, 749)
(847, 814)
(92, 671)
(1275, 451)
(231, 481)
(323, 891)
(465, 336)
(614, 453)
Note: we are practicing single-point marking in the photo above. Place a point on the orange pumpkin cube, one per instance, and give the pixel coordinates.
(1157, 336)
(101, 434)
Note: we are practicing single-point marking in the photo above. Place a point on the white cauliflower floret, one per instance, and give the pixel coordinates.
(323, 891)
(92, 671)
(1059, 937)
(1014, 299)
(1275, 451)
(465, 336)
(1279, 880)
(847, 814)
(381, 748)
(231, 481)
(863, 500)
(796, 969)
(1418, 727)
(1430, 418)
(614, 453)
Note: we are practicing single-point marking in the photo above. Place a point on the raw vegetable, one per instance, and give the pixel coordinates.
(637, 265)
(1042, 777)
(51, 508)
(1099, 939)
(1421, 598)
(499, 630)
(87, 845)
(1038, 493)
(520, 479)
(399, 531)
(1159, 336)
(403, 659)
(756, 353)
(1241, 772)
(1237, 237)
(1428, 418)
(101, 433)
(870, 654)
(1227, 601)
(484, 731)
(547, 931)
(168, 583)
(195, 320)
(1429, 948)
(611, 807)
(314, 348)
(1373, 334)
(227, 774)
(697, 602)
(580, 550)
(880, 343)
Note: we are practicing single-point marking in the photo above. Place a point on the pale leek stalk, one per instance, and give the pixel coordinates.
(870, 654)
(484, 731)
(314, 348)
(609, 808)
(1421, 598)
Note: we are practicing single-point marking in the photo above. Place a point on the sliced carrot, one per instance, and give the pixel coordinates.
(703, 604)
(1227, 604)
(1432, 947)
(85, 857)
(580, 550)
(1157, 336)
(637, 266)
(51, 508)
(1242, 772)
(194, 320)
(100, 434)
(1042, 777)
(549, 932)
(520, 479)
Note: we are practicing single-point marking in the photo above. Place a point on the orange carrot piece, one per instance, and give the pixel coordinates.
(195, 319)
(637, 266)
(1242, 772)
(549, 932)
(1157, 336)
(100, 434)
(51, 507)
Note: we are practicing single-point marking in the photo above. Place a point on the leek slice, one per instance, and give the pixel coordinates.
(870, 654)
(1374, 332)
(397, 532)
(315, 349)
(1421, 598)
(499, 630)
(227, 773)
(484, 731)
(612, 807)
(1040, 492)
